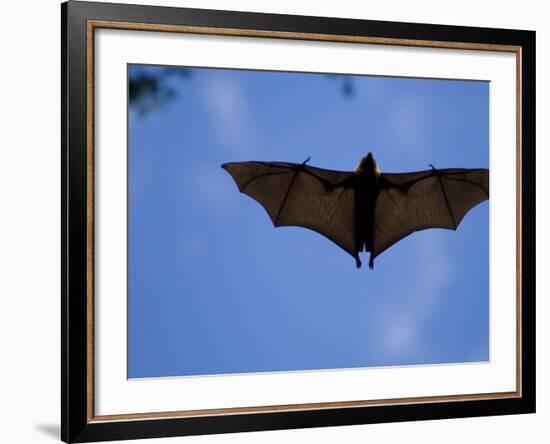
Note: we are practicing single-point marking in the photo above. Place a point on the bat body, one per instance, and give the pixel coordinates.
(365, 209)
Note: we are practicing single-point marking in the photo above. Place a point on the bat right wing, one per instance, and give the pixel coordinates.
(410, 202)
(300, 195)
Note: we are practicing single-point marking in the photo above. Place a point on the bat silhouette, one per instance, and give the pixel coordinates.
(365, 209)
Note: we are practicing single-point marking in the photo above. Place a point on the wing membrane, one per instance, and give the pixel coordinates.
(300, 195)
(412, 202)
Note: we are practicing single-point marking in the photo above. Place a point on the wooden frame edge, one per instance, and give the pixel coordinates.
(336, 38)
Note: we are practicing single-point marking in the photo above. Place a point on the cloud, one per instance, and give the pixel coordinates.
(399, 326)
(408, 123)
(373, 90)
(230, 116)
(401, 333)
(437, 278)
(194, 248)
(211, 186)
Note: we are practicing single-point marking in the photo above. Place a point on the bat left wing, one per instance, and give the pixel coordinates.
(300, 195)
(410, 202)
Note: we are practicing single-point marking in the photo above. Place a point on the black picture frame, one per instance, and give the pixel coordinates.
(77, 425)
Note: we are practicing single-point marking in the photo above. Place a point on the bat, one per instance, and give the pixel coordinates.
(361, 210)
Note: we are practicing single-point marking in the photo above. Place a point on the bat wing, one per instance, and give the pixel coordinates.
(410, 202)
(303, 196)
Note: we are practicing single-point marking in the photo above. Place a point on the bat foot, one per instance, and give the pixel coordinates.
(358, 262)
(371, 263)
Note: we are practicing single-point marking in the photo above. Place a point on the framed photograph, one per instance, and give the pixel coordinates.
(398, 160)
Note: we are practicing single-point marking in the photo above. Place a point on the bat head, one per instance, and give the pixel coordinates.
(368, 165)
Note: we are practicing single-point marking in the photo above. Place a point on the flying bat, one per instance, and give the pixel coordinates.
(365, 209)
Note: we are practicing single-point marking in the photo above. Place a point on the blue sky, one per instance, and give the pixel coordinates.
(214, 288)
